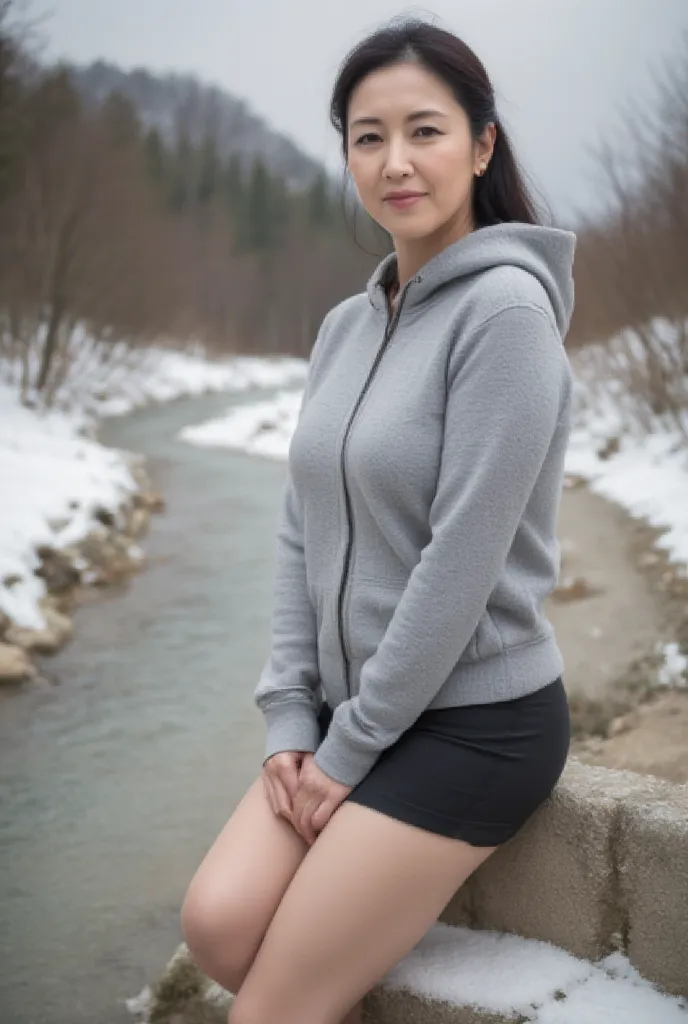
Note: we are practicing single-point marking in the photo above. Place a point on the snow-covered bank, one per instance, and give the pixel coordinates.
(58, 481)
(54, 481)
(162, 376)
(260, 428)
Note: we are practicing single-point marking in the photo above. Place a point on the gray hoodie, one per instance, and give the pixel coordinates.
(417, 539)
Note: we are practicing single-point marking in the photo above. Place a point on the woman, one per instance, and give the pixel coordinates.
(416, 715)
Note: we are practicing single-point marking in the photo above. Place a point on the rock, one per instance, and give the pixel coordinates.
(57, 569)
(648, 559)
(138, 522)
(5, 623)
(624, 723)
(612, 447)
(137, 468)
(150, 500)
(104, 516)
(576, 589)
(110, 556)
(58, 629)
(183, 995)
(15, 666)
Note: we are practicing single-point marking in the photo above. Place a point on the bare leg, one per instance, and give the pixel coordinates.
(237, 888)
(365, 893)
(355, 1016)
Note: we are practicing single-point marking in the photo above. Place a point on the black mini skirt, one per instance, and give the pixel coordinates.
(475, 772)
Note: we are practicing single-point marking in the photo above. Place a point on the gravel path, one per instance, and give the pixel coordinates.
(612, 608)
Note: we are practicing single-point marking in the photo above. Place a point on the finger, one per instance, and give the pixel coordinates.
(269, 792)
(282, 799)
(289, 777)
(296, 813)
(322, 815)
(306, 822)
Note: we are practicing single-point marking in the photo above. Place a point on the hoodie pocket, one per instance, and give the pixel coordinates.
(370, 606)
(485, 642)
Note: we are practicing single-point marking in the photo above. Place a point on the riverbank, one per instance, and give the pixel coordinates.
(75, 511)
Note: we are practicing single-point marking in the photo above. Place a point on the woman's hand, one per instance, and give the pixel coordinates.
(281, 781)
(317, 798)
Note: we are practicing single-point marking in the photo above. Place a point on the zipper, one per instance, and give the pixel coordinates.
(389, 331)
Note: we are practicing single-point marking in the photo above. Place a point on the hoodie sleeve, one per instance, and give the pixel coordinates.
(504, 398)
(284, 692)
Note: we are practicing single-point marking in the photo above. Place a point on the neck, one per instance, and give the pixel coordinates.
(413, 253)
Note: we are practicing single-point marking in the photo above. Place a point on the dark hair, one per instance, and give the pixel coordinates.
(501, 194)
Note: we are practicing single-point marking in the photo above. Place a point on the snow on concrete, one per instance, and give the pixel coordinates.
(545, 984)
(500, 973)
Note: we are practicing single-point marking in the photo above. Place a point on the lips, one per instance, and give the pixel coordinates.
(400, 200)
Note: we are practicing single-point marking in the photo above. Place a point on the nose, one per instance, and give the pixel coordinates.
(397, 163)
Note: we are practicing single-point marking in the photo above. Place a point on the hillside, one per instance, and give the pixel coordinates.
(176, 104)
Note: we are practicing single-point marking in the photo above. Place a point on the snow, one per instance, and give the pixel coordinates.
(55, 477)
(114, 381)
(541, 982)
(167, 375)
(259, 428)
(648, 477)
(648, 474)
(674, 668)
(459, 965)
(53, 481)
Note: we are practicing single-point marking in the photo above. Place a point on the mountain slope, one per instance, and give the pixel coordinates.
(176, 103)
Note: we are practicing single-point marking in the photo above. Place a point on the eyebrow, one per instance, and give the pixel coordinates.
(416, 116)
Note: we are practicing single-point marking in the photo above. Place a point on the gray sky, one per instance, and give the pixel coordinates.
(561, 68)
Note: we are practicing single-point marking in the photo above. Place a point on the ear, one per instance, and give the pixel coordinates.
(486, 143)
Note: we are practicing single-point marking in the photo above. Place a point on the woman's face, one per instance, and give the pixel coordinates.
(407, 133)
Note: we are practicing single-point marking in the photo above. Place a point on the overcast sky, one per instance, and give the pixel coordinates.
(561, 68)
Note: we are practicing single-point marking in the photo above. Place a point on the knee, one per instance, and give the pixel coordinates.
(218, 936)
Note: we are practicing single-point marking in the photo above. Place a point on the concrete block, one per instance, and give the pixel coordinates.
(652, 858)
(557, 879)
(398, 1006)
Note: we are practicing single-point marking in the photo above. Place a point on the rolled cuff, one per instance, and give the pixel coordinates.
(290, 726)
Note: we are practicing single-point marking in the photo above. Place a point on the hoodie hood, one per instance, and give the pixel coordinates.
(546, 253)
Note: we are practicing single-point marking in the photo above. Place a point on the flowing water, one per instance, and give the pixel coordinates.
(115, 779)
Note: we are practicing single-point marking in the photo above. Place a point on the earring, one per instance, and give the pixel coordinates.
(482, 168)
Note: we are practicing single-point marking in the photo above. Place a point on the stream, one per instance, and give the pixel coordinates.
(117, 775)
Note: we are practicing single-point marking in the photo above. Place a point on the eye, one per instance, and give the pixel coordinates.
(368, 135)
(427, 128)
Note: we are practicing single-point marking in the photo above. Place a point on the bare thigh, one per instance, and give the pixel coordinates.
(367, 890)
(233, 896)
